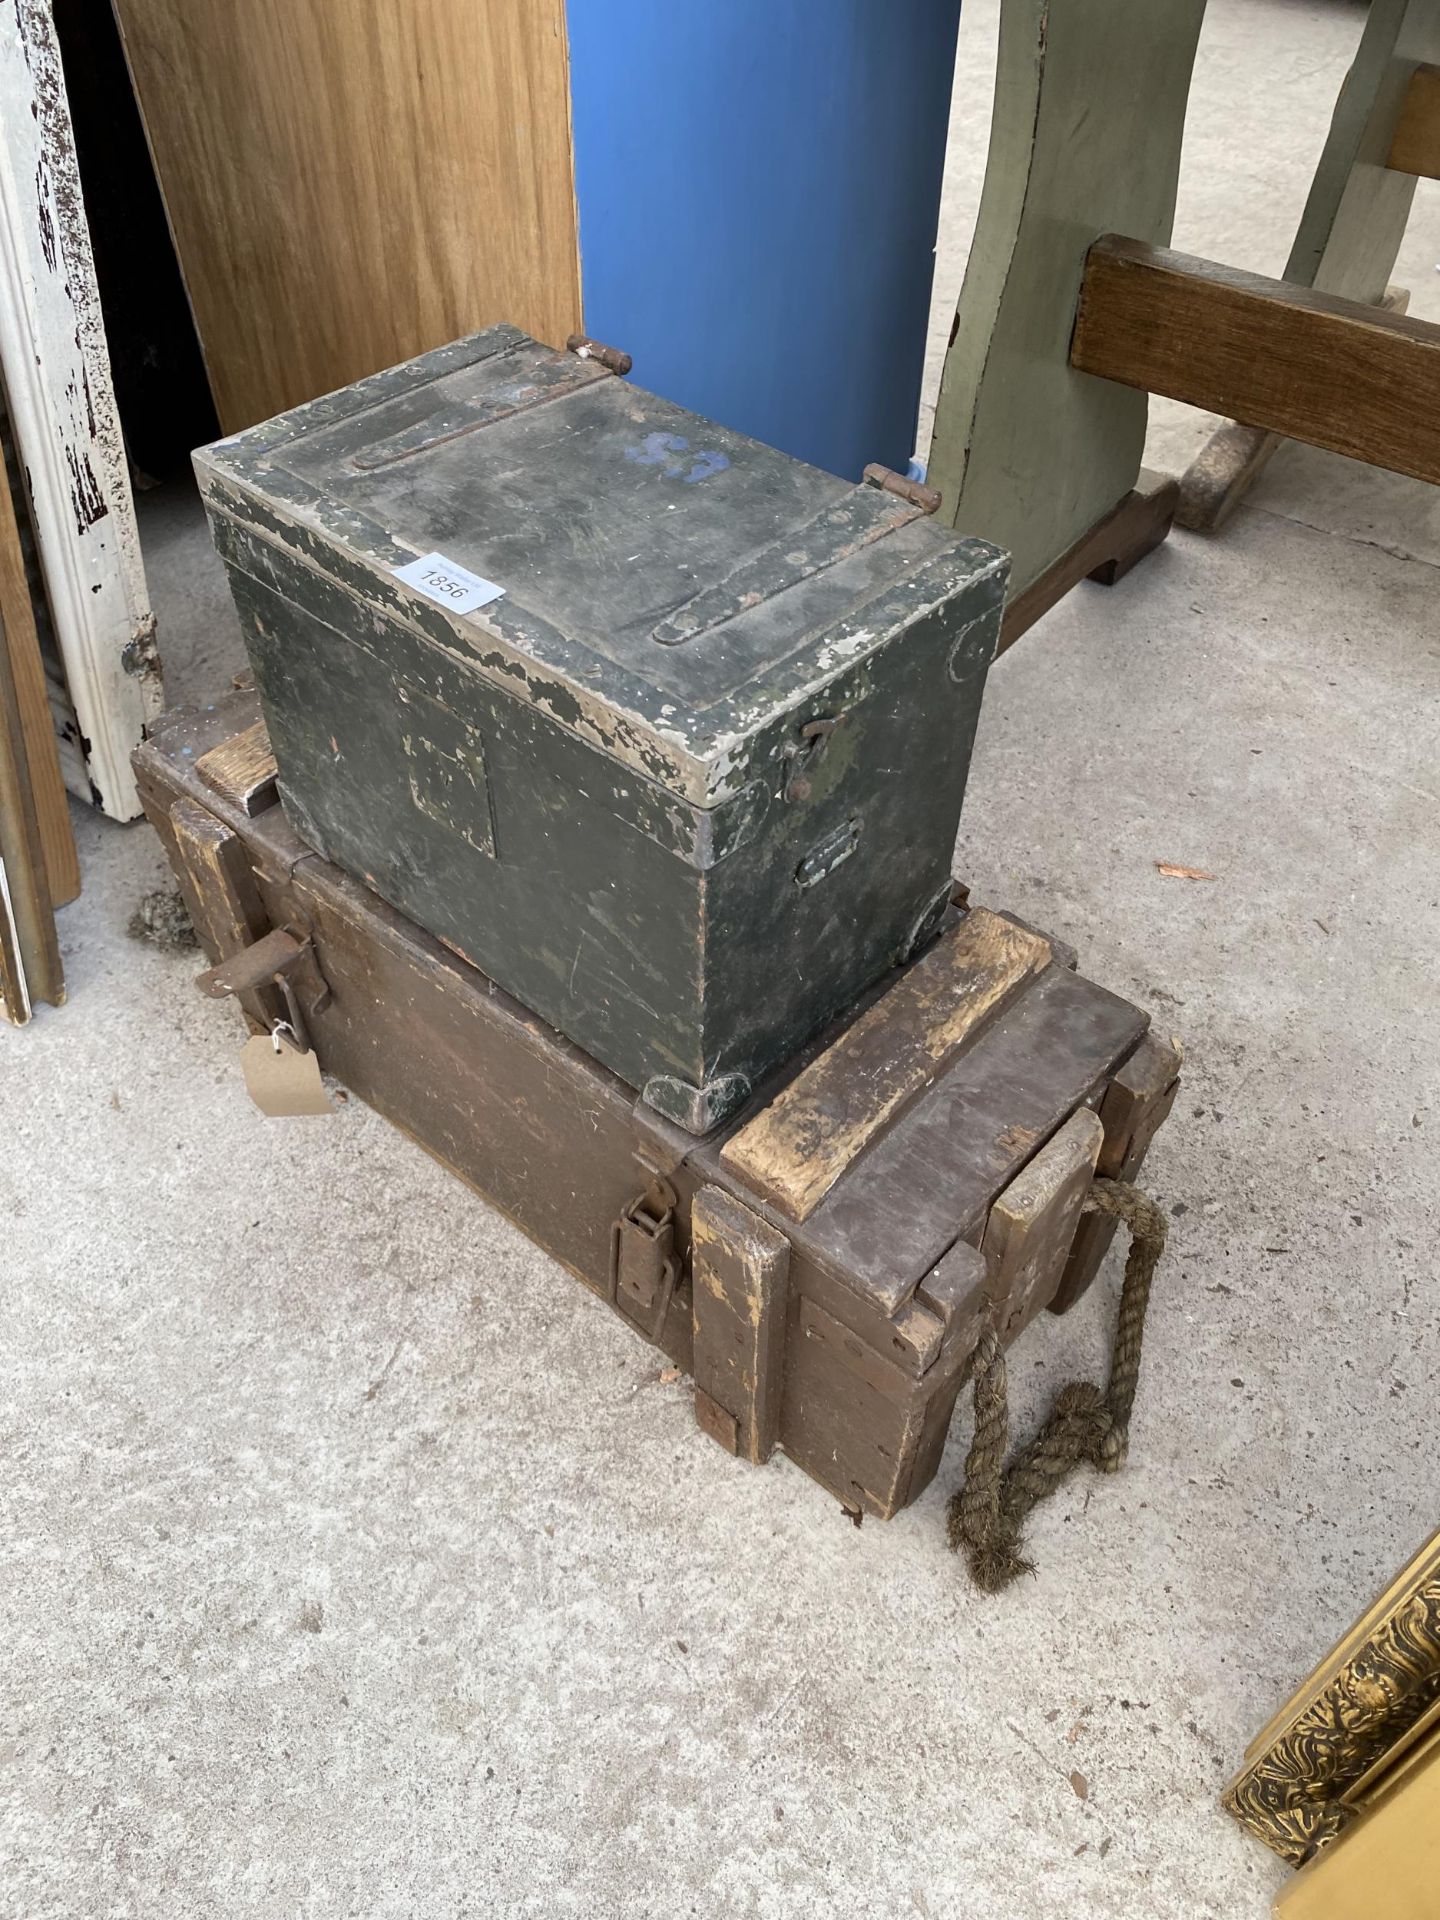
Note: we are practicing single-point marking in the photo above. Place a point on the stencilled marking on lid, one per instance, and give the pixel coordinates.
(448, 585)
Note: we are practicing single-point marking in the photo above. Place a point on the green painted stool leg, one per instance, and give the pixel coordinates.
(1090, 102)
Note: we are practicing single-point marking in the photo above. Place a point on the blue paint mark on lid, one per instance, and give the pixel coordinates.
(706, 463)
(671, 453)
(658, 450)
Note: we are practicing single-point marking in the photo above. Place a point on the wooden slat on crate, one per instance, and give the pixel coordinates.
(1132, 1111)
(1032, 1223)
(797, 1148)
(1335, 373)
(739, 1266)
(243, 770)
(1106, 553)
(219, 888)
(223, 903)
(996, 1103)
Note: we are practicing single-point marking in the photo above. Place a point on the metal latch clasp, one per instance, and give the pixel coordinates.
(279, 959)
(644, 1266)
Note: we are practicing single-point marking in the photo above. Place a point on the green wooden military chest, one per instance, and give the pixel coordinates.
(665, 731)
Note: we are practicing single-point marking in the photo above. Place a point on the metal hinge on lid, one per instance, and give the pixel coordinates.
(614, 359)
(913, 491)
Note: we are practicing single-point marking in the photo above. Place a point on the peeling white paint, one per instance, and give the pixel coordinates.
(704, 754)
(57, 375)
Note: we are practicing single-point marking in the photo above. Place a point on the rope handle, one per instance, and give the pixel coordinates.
(987, 1512)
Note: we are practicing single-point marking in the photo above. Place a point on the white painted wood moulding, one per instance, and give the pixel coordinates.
(56, 369)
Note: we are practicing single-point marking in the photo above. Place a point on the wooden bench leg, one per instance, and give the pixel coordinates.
(1086, 136)
(1350, 232)
(1106, 553)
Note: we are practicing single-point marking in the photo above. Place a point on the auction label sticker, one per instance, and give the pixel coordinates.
(449, 586)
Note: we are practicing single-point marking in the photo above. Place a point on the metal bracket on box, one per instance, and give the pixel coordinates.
(281, 958)
(644, 1265)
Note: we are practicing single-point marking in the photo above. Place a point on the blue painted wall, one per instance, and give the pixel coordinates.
(758, 185)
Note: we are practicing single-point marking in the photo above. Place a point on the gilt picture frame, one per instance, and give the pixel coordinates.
(1307, 1774)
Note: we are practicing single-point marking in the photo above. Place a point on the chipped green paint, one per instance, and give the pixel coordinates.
(600, 788)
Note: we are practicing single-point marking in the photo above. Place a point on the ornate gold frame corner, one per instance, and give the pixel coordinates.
(1306, 1775)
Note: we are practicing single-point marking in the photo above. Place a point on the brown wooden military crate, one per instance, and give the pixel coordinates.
(824, 1264)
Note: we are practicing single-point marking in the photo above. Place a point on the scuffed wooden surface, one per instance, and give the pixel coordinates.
(1135, 1106)
(1032, 1223)
(1312, 366)
(242, 769)
(218, 885)
(795, 1151)
(887, 1221)
(740, 1266)
(551, 1138)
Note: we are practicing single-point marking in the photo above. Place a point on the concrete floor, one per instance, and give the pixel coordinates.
(358, 1564)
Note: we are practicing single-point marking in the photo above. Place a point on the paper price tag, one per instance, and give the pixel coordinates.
(447, 585)
(280, 1079)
